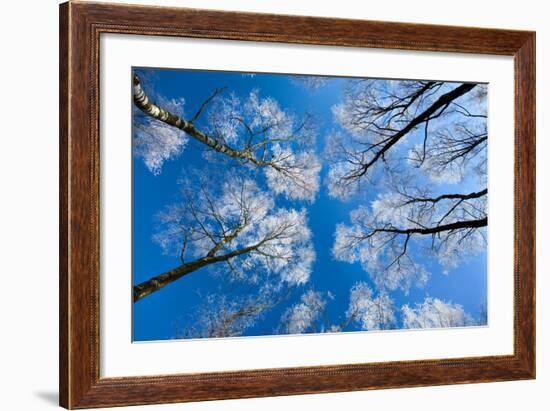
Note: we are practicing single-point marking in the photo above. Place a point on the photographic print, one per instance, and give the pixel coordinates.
(275, 204)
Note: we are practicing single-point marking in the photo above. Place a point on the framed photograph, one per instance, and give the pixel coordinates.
(259, 205)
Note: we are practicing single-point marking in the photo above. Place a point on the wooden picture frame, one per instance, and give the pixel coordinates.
(80, 27)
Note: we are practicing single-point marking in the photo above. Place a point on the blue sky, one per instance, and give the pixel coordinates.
(161, 314)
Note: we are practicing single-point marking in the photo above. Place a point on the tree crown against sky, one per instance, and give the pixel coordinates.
(245, 220)
(411, 138)
(253, 130)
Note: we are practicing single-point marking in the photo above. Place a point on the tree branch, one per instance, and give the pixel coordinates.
(469, 196)
(441, 103)
(482, 222)
(142, 101)
(162, 280)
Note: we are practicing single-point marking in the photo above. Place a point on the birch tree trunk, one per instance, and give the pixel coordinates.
(142, 101)
(162, 280)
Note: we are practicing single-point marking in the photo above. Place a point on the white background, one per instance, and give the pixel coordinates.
(119, 357)
(28, 206)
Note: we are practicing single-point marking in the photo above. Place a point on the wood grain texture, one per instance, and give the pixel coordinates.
(63, 206)
(80, 27)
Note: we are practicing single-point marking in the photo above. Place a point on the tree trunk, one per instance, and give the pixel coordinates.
(162, 280)
(142, 101)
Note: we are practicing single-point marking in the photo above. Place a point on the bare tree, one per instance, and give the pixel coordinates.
(377, 115)
(237, 226)
(255, 131)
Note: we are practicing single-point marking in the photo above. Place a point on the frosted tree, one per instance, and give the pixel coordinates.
(458, 148)
(450, 227)
(434, 313)
(156, 142)
(236, 226)
(303, 316)
(413, 216)
(369, 311)
(311, 82)
(225, 314)
(381, 118)
(254, 131)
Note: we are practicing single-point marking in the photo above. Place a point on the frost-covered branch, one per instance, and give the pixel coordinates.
(368, 311)
(434, 313)
(236, 225)
(449, 226)
(378, 114)
(224, 314)
(310, 82)
(453, 151)
(302, 317)
(256, 131)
